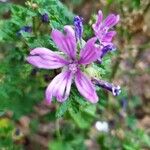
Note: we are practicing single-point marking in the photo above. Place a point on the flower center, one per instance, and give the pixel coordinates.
(73, 67)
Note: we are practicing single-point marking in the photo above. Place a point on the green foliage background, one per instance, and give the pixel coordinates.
(22, 86)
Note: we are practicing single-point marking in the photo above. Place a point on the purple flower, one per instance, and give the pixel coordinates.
(116, 90)
(60, 86)
(45, 18)
(78, 24)
(101, 28)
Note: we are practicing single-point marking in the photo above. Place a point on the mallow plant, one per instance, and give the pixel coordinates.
(53, 61)
(74, 55)
(46, 48)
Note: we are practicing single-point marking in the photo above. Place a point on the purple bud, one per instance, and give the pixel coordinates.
(116, 90)
(78, 24)
(45, 18)
(24, 29)
(107, 49)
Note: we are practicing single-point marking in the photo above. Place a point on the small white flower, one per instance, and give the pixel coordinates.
(102, 126)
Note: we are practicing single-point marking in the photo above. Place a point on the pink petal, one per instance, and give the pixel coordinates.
(59, 87)
(108, 36)
(85, 87)
(69, 30)
(90, 52)
(44, 58)
(65, 42)
(111, 20)
(98, 21)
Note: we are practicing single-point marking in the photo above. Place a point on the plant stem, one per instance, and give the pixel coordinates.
(58, 129)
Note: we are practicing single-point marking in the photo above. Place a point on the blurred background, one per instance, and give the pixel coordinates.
(121, 123)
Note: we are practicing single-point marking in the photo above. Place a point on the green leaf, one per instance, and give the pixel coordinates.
(90, 110)
(128, 147)
(79, 119)
(63, 108)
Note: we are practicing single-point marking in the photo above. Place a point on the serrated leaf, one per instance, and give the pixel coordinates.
(79, 119)
(63, 108)
(90, 110)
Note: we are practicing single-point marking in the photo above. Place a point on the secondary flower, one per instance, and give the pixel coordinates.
(72, 65)
(102, 28)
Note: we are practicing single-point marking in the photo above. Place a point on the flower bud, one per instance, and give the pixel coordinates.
(105, 50)
(116, 90)
(45, 18)
(78, 24)
(24, 29)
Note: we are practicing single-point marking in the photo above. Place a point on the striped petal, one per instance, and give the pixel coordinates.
(44, 58)
(90, 52)
(98, 21)
(108, 36)
(65, 42)
(59, 87)
(111, 20)
(85, 87)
